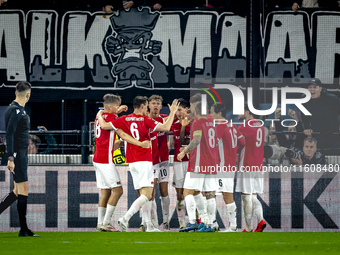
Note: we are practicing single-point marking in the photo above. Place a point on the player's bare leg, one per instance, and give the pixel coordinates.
(231, 210)
(163, 188)
(248, 210)
(258, 211)
(180, 207)
(112, 201)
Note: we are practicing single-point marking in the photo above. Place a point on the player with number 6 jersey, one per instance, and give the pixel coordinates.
(107, 176)
(249, 177)
(139, 125)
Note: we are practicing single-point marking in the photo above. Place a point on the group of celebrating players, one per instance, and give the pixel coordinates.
(208, 150)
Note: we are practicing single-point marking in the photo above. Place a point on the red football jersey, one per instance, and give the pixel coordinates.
(176, 130)
(162, 138)
(252, 153)
(205, 155)
(228, 139)
(138, 127)
(104, 141)
(154, 148)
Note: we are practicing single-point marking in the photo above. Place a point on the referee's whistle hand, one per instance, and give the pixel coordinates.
(10, 166)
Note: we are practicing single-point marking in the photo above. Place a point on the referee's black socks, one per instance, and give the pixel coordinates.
(9, 199)
(22, 209)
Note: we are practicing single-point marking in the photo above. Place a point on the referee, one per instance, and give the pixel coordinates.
(17, 126)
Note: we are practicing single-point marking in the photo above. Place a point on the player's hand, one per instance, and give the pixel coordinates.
(180, 156)
(308, 132)
(146, 144)
(100, 113)
(174, 106)
(278, 113)
(185, 120)
(182, 150)
(10, 166)
(122, 108)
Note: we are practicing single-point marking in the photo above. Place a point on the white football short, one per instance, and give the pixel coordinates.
(226, 182)
(249, 182)
(142, 174)
(180, 170)
(200, 182)
(161, 171)
(107, 176)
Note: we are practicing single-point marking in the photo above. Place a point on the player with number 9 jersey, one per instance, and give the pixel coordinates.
(251, 157)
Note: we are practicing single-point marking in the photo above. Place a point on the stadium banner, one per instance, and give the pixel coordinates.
(64, 198)
(140, 50)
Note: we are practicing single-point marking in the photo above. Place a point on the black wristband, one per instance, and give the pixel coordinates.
(10, 158)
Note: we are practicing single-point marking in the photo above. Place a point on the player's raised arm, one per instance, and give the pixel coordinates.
(130, 139)
(108, 126)
(165, 127)
(103, 124)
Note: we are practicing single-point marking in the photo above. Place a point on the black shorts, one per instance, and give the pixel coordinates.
(20, 168)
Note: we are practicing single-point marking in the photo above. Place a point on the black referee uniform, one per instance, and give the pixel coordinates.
(17, 138)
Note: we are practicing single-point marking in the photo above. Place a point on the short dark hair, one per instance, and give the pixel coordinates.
(246, 108)
(155, 97)
(311, 140)
(196, 98)
(220, 108)
(198, 108)
(138, 101)
(22, 86)
(183, 103)
(111, 99)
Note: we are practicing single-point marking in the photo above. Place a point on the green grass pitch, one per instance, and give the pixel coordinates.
(171, 243)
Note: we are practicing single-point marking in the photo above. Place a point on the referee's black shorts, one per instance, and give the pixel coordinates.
(20, 168)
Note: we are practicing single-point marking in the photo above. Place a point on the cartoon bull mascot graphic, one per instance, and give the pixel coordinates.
(131, 43)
